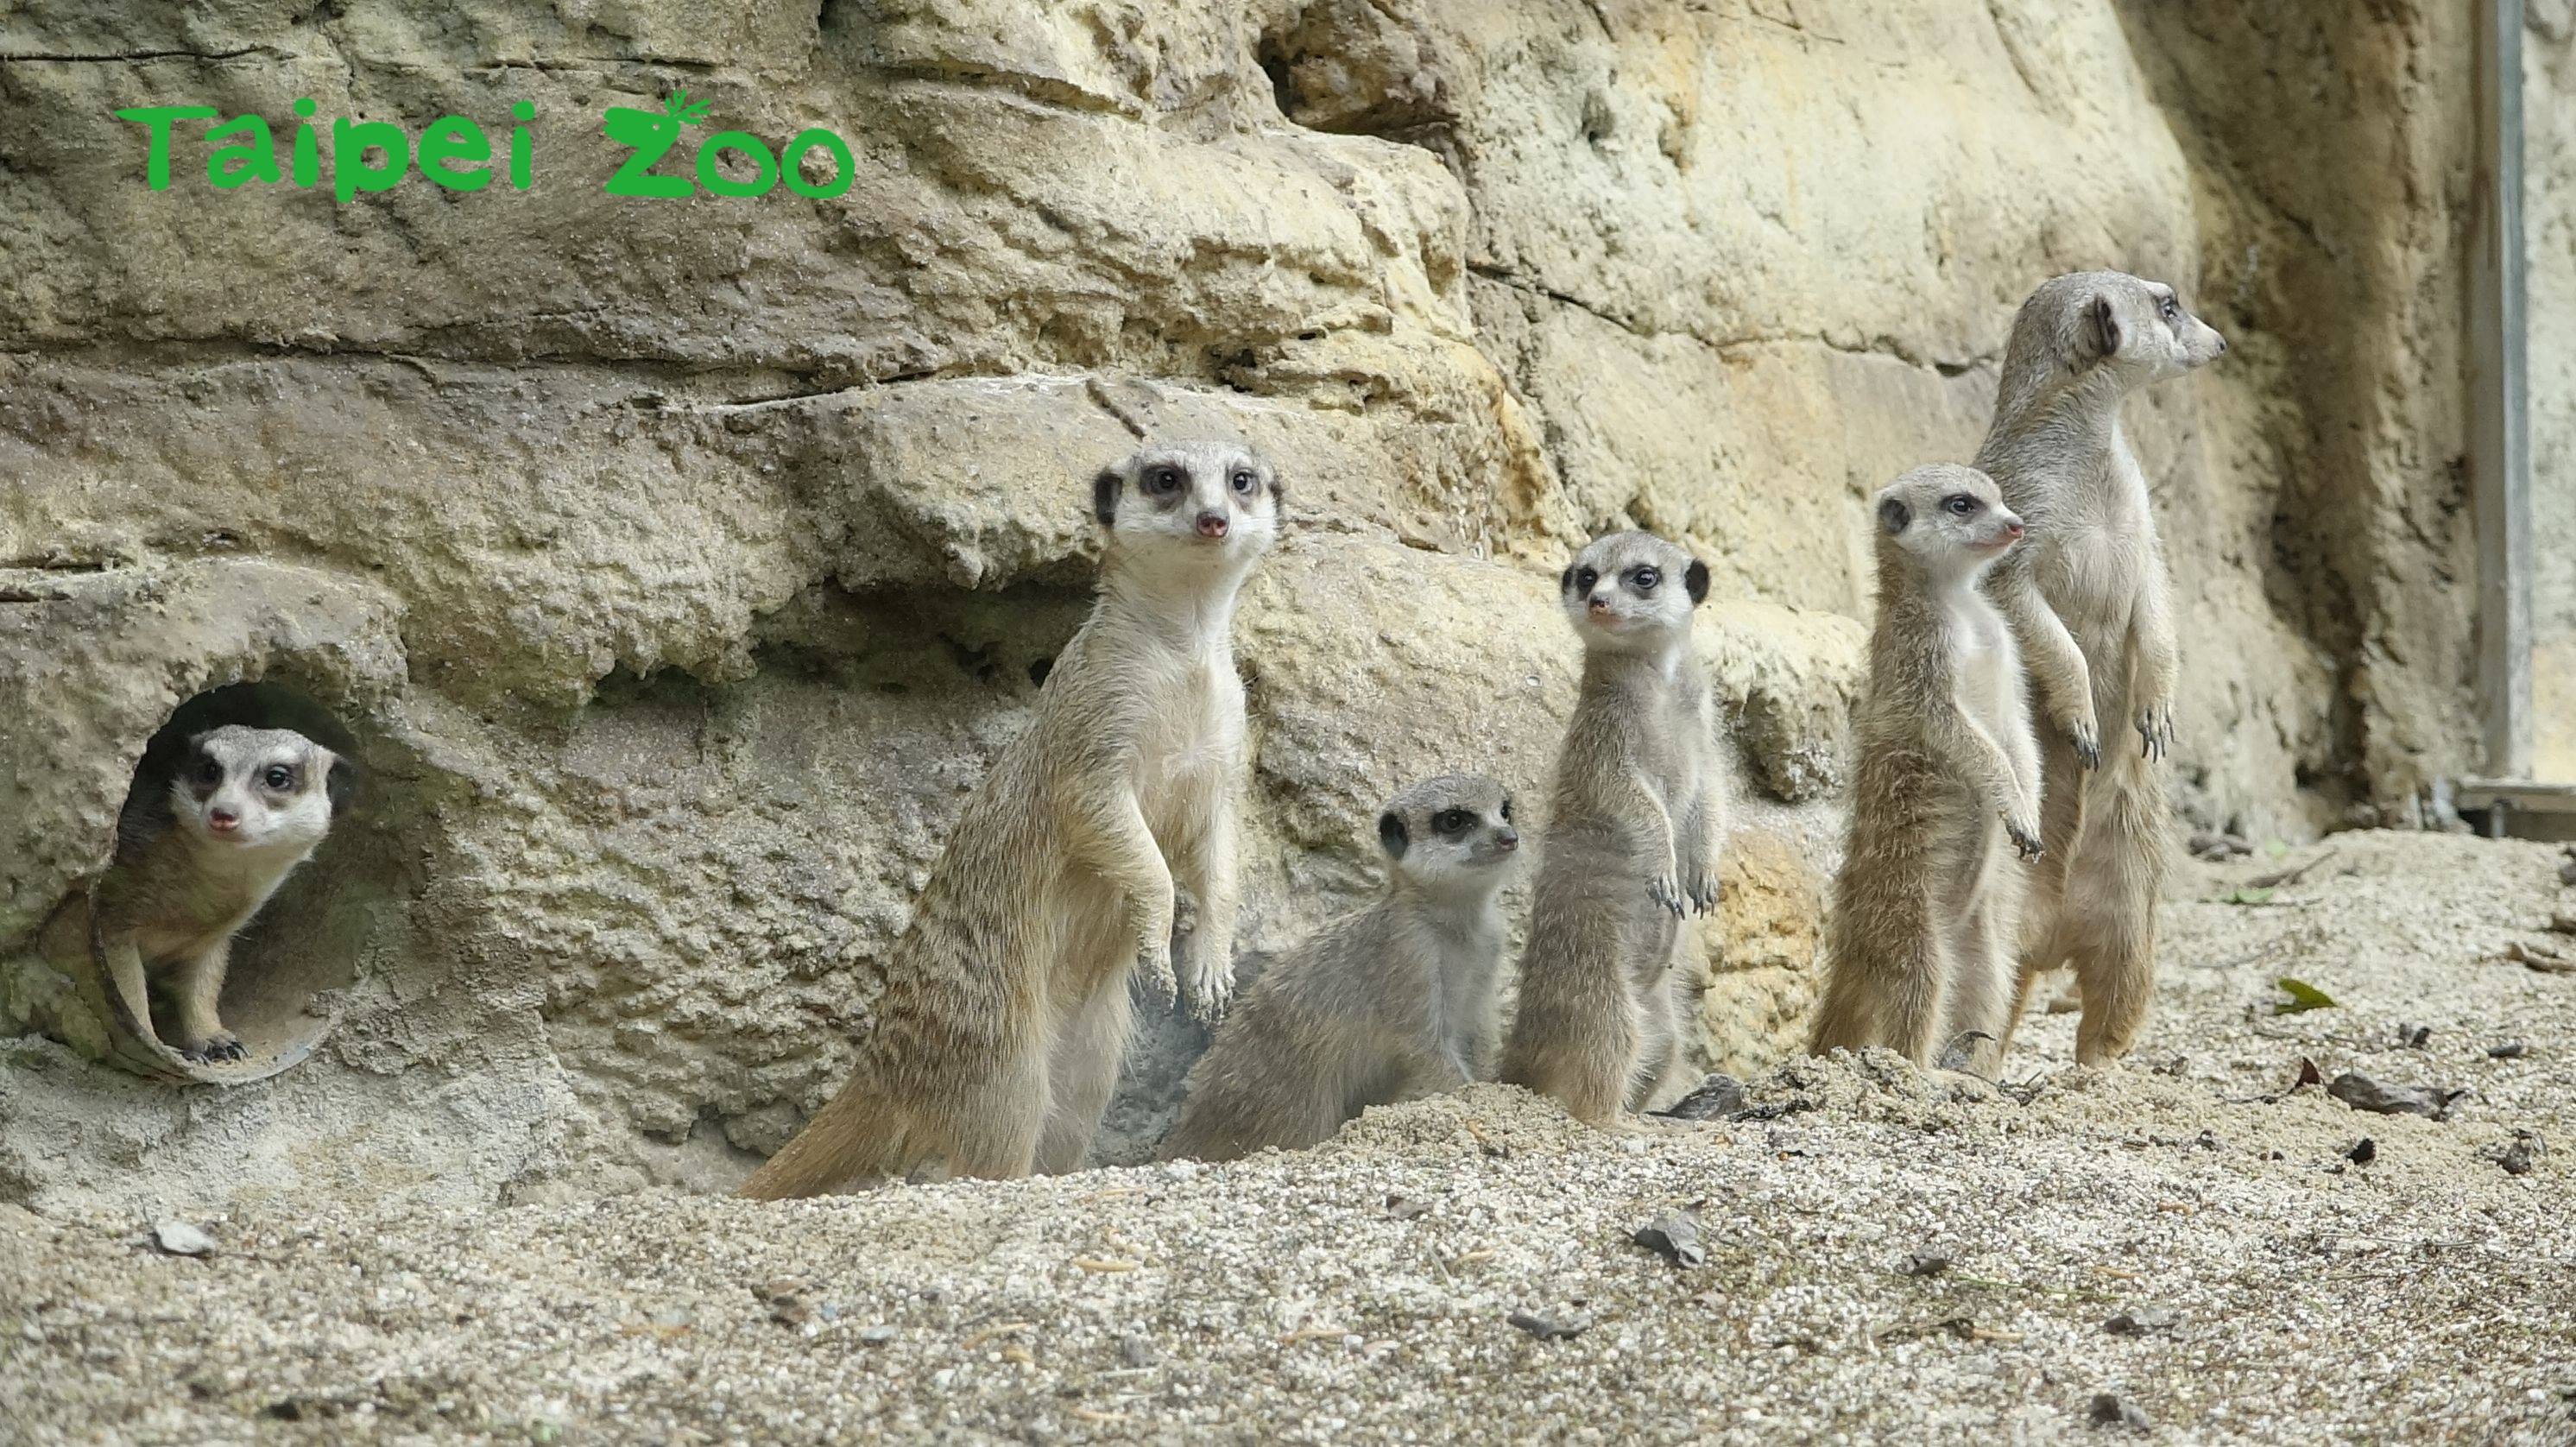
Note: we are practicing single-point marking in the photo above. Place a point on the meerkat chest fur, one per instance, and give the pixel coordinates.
(1988, 662)
(2094, 537)
(1638, 715)
(1185, 712)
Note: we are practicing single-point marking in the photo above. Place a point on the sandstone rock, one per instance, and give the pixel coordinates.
(677, 567)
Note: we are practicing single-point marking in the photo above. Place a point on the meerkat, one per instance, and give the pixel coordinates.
(2087, 601)
(1920, 945)
(1390, 1003)
(1632, 836)
(196, 857)
(1004, 1014)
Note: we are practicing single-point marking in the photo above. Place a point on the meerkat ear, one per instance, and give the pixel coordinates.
(340, 783)
(1104, 495)
(1695, 578)
(1278, 500)
(2098, 334)
(1390, 832)
(1894, 515)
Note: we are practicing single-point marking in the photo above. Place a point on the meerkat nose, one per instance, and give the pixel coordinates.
(1600, 605)
(2222, 341)
(1212, 525)
(2012, 527)
(1508, 839)
(222, 821)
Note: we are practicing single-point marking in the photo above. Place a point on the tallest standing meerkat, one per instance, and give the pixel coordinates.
(998, 1036)
(2086, 597)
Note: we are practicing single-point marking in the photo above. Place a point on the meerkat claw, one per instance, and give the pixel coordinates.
(2087, 743)
(1704, 894)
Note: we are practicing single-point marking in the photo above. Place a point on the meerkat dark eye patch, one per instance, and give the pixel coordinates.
(1390, 832)
(278, 776)
(1894, 515)
(1163, 481)
(1507, 810)
(1565, 581)
(1959, 504)
(1104, 496)
(1644, 579)
(1584, 578)
(1452, 821)
(2170, 309)
(1245, 481)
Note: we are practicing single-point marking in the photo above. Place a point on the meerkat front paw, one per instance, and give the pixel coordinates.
(2025, 836)
(221, 1046)
(1705, 891)
(2156, 730)
(2085, 738)
(1666, 890)
(1154, 963)
(1211, 988)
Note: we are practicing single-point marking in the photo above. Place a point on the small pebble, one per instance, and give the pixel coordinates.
(1925, 1263)
(2112, 1411)
(1551, 1328)
(2143, 1319)
(178, 1238)
(1675, 1236)
(877, 1336)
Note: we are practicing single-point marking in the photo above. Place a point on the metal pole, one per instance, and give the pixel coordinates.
(2499, 444)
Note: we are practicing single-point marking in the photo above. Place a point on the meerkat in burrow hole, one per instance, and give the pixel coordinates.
(1633, 831)
(1390, 1003)
(195, 859)
(1920, 945)
(1005, 1012)
(2087, 600)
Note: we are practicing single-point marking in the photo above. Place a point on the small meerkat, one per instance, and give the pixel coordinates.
(1004, 1014)
(194, 861)
(2087, 600)
(1632, 836)
(1920, 945)
(1390, 1003)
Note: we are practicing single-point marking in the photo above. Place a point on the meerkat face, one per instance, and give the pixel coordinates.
(1632, 591)
(1214, 499)
(1952, 520)
(1451, 834)
(254, 788)
(2139, 327)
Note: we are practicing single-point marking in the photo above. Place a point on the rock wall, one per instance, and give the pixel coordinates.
(2549, 251)
(675, 565)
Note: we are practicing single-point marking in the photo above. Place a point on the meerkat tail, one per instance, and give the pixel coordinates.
(857, 1135)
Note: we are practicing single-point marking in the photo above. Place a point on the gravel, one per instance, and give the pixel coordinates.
(2272, 1290)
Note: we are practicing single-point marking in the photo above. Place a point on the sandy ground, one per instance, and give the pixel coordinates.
(1363, 1292)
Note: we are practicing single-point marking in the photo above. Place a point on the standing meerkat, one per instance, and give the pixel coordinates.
(1390, 1003)
(195, 859)
(1632, 836)
(1004, 1014)
(1925, 908)
(2087, 599)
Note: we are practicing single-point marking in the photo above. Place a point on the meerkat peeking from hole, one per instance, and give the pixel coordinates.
(1391, 1003)
(195, 860)
(2087, 599)
(1632, 836)
(1004, 1014)
(1919, 949)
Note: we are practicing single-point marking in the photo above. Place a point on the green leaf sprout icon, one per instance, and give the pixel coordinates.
(650, 133)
